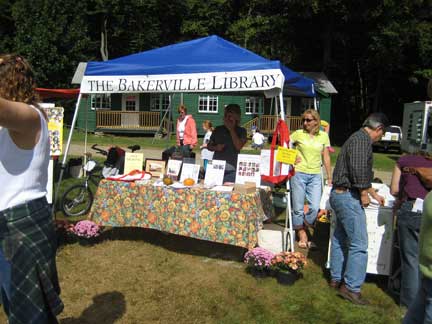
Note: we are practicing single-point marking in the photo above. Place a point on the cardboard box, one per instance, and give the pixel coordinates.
(246, 188)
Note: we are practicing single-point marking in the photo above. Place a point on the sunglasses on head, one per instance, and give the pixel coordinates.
(307, 120)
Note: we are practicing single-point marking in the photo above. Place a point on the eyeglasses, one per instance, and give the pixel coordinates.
(307, 120)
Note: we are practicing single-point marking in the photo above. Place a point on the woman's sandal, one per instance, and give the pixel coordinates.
(304, 245)
(307, 245)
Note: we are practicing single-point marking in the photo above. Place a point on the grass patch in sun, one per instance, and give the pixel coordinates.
(144, 276)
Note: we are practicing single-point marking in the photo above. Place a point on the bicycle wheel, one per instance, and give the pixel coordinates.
(77, 200)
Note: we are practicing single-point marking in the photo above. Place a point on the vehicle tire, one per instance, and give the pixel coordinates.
(77, 200)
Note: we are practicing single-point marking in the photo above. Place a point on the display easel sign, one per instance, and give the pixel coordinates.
(248, 169)
(133, 161)
(214, 173)
(173, 168)
(190, 171)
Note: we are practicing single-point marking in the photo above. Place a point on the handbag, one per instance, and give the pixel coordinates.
(424, 174)
(280, 135)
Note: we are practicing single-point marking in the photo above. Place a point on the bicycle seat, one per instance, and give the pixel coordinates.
(134, 148)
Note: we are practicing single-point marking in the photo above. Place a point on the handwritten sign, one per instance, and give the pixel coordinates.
(286, 155)
(133, 161)
(214, 173)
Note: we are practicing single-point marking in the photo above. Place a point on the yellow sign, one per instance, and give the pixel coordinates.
(286, 155)
(133, 161)
(55, 129)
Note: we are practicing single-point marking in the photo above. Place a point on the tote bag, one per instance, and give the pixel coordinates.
(280, 136)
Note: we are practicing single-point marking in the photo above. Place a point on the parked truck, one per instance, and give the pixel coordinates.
(417, 126)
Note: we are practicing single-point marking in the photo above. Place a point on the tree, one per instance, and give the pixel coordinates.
(7, 27)
(52, 36)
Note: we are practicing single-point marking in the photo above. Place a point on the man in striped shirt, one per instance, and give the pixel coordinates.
(352, 186)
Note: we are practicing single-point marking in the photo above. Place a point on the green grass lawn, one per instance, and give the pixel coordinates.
(144, 276)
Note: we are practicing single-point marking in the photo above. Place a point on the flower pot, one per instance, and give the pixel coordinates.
(88, 241)
(257, 273)
(287, 278)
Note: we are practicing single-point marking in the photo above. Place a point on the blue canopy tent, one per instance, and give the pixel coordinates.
(200, 64)
(209, 64)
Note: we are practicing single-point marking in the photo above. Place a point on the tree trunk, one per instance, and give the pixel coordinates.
(104, 41)
(361, 93)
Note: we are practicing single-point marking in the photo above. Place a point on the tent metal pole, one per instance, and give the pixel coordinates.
(288, 218)
(170, 116)
(282, 110)
(65, 154)
(314, 98)
(169, 121)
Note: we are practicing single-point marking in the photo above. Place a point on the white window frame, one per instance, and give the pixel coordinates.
(100, 101)
(159, 102)
(252, 105)
(208, 104)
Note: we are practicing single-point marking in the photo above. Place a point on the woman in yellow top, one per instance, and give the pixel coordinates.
(312, 145)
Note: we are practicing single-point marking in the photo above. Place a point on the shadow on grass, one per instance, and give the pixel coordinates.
(176, 243)
(98, 312)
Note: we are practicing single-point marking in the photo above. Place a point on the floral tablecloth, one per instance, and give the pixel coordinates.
(229, 218)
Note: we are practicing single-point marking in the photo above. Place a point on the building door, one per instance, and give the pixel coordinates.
(130, 110)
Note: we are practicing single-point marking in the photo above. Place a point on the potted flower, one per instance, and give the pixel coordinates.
(258, 261)
(288, 266)
(65, 232)
(86, 231)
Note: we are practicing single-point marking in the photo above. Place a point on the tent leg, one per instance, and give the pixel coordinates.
(288, 220)
(281, 104)
(65, 154)
(169, 120)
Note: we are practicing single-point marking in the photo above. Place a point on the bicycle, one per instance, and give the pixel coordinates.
(78, 198)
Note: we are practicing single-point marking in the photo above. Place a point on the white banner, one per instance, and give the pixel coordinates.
(257, 80)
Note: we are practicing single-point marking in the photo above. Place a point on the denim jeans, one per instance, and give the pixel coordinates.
(408, 232)
(307, 186)
(349, 243)
(420, 311)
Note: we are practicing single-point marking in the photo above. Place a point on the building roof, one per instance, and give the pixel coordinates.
(321, 81)
(79, 73)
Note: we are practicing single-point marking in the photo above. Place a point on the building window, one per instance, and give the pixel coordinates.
(252, 106)
(100, 101)
(159, 102)
(208, 104)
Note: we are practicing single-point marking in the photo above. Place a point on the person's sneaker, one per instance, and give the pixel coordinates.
(353, 297)
(334, 284)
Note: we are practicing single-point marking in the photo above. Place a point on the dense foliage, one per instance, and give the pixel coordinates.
(378, 54)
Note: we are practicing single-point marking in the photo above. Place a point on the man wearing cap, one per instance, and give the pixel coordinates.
(351, 192)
